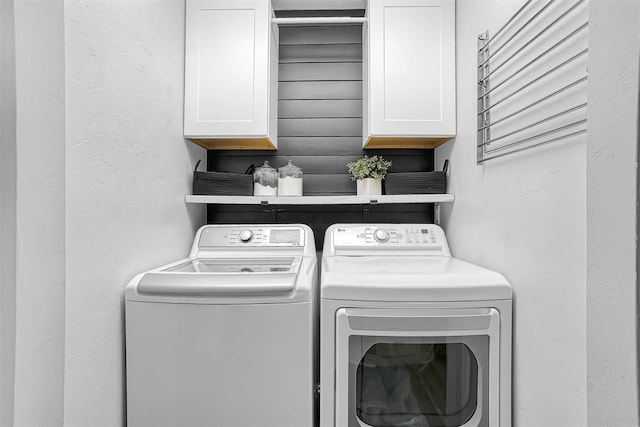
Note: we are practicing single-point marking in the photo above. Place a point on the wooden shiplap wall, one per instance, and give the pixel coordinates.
(320, 131)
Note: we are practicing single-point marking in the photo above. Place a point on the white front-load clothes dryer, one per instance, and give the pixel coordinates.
(227, 336)
(409, 335)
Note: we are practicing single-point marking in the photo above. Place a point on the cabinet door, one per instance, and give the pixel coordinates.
(411, 73)
(227, 70)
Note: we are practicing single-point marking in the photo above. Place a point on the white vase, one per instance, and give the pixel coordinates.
(369, 187)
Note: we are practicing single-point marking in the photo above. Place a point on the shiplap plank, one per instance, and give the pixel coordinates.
(300, 146)
(328, 184)
(240, 214)
(321, 145)
(300, 109)
(321, 35)
(309, 164)
(321, 53)
(399, 213)
(320, 90)
(327, 164)
(320, 71)
(320, 127)
(319, 218)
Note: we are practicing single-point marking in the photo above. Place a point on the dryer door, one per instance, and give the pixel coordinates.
(417, 367)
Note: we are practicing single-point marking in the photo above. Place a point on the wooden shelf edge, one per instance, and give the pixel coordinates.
(234, 143)
(405, 142)
(322, 200)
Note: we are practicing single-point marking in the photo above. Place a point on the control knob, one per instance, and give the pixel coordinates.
(246, 236)
(381, 235)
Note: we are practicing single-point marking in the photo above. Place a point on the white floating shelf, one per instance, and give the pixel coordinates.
(322, 200)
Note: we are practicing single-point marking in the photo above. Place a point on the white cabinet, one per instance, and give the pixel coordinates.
(409, 73)
(231, 67)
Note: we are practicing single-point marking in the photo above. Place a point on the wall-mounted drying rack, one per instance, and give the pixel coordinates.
(532, 76)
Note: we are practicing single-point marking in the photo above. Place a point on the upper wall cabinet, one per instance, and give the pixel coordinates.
(231, 69)
(409, 79)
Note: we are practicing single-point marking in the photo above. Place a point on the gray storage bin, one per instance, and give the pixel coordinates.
(222, 183)
(417, 182)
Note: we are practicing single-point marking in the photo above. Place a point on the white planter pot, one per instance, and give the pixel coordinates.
(369, 187)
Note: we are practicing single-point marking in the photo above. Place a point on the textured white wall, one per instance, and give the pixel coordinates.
(40, 254)
(7, 211)
(128, 170)
(612, 156)
(524, 215)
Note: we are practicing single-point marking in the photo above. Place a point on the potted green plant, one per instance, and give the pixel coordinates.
(369, 172)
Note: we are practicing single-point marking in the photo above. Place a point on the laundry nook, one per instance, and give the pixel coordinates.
(319, 213)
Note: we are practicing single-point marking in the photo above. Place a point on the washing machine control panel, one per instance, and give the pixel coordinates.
(252, 236)
(402, 235)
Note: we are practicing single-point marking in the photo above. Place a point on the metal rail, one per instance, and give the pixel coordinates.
(515, 15)
(538, 135)
(522, 28)
(320, 20)
(541, 56)
(548, 141)
(532, 125)
(537, 36)
(500, 145)
(534, 103)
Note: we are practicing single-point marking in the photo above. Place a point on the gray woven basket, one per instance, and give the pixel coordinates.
(417, 182)
(222, 183)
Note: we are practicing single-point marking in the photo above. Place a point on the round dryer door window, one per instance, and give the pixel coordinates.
(416, 384)
(415, 368)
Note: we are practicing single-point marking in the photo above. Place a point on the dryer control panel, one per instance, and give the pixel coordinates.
(419, 237)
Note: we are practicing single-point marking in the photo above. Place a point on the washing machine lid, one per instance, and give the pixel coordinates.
(225, 280)
(236, 265)
(409, 278)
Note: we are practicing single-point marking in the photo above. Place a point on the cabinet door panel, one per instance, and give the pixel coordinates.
(411, 43)
(411, 73)
(227, 69)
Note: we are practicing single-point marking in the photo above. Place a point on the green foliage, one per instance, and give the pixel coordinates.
(368, 167)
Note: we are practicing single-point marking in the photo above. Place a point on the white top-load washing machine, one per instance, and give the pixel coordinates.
(410, 336)
(227, 336)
